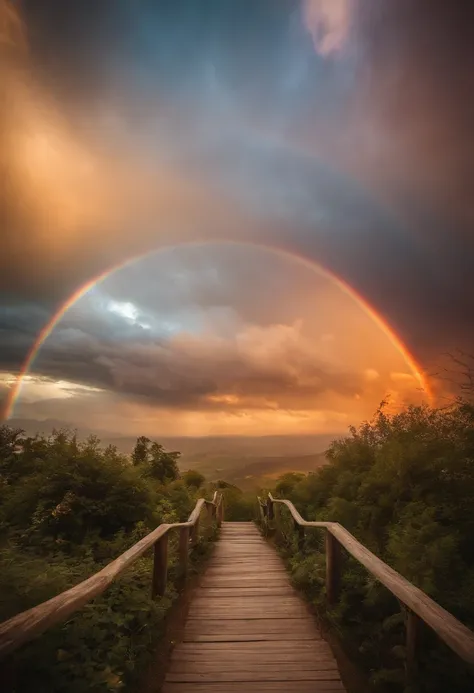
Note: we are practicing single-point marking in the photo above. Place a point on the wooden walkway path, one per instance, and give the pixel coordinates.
(247, 630)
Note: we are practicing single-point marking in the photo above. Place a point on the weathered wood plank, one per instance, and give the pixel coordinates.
(247, 615)
(246, 637)
(238, 583)
(229, 658)
(226, 592)
(267, 648)
(258, 687)
(258, 601)
(287, 626)
(249, 666)
(248, 569)
(254, 676)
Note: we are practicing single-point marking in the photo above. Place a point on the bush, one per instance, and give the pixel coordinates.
(66, 510)
(404, 486)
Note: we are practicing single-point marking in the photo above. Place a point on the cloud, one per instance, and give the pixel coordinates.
(124, 130)
(258, 368)
(328, 22)
(371, 374)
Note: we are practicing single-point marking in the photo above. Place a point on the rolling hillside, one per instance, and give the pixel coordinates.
(246, 461)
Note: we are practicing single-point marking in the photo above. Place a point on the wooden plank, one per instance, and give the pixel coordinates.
(247, 615)
(258, 687)
(267, 602)
(271, 658)
(274, 577)
(247, 569)
(223, 605)
(247, 575)
(284, 626)
(244, 565)
(226, 592)
(247, 637)
(245, 611)
(275, 675)
(248, 559)
(253, 568)
(222, 649)
(208, 583)
(236, 665)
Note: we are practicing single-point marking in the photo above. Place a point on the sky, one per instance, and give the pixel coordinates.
(267, 176)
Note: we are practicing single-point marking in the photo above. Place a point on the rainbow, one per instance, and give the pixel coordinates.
(43, 335)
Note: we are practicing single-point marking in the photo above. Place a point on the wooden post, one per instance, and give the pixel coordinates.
(333, 567)
(183, 549)
(412, 630)
(160, 567)
(300, 532)
(270, 513)
(195, 533)
(277, 519)
(220, 512)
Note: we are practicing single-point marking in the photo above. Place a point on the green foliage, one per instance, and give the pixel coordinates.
(404, 486)
(163, 465)
(66, 510)
(193, 478)
(69, 490)
(287, 482)
(238, 506)
(154, 461)
(140, 453)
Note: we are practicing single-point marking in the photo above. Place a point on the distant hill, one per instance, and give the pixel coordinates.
(251, 472)
(246, 461)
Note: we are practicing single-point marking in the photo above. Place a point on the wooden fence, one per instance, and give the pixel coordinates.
(419, 606)
(29, 624)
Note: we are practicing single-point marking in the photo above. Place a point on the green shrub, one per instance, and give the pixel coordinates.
(404, 486)
(66, 510)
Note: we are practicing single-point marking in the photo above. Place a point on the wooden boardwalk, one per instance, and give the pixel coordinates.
(247, 630)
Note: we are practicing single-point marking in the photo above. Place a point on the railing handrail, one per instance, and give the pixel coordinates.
(454, 633)
(27, 625)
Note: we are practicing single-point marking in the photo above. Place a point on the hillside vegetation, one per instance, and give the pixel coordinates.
(404, 486)
(66, 510)
(248, 462)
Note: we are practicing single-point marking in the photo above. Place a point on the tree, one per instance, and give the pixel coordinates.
(141, 450)
(72, 490)
(238, 506)
(11, 443)
(287, 483)
(193, 478)
(163, 465)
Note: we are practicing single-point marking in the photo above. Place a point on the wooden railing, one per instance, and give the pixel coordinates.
(419, 606)
(29, 624)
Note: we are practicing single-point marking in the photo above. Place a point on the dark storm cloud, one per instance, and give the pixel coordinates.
(234, 95)
(199, 373)
(190, 334)
(19, 325)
